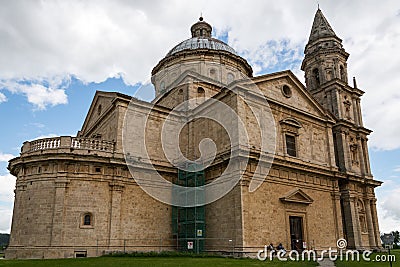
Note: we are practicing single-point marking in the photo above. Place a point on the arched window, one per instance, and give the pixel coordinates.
(230, 78)
(342, 76)
(162, 87)
(213, 74)
(87, 219)
(316, 76)
(201, 92)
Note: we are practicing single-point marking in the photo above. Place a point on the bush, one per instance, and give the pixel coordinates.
(162, 254)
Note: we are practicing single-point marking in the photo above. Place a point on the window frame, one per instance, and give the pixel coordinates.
(294, 148)
(290, 127)
(83, 220)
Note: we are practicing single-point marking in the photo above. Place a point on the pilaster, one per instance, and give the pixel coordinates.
(370, 224)
(61, 185)
(375, 222)
(116, 190)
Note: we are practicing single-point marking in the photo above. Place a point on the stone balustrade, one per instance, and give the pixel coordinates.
(68, 142)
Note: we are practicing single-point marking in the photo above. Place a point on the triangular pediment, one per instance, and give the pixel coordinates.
(190, 76)
(185, 78)
(299, 99)
(101, 104)
(297, 196)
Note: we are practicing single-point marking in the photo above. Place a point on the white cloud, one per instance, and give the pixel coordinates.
(7, 187)
(94, 40)
(389, 210)
(6, 201)
(39, 93)
(397, 169)
(5, 219)
(3, 98)
(6, 157)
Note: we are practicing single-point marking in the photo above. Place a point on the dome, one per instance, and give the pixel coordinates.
(201, 42)
(202, 54)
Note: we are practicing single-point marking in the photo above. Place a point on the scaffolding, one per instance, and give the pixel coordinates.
(188, 223)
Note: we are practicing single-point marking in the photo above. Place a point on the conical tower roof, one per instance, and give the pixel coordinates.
(320, 28)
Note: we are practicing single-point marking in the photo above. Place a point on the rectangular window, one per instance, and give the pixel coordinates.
(291, 145)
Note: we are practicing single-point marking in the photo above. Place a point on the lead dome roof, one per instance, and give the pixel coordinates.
(201, 39)
(195, 43)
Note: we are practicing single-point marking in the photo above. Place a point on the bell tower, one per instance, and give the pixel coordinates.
(325, 67)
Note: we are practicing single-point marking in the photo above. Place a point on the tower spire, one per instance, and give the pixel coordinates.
(320, 27)
(324, 55)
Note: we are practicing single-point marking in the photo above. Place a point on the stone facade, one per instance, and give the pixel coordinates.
(75, 196)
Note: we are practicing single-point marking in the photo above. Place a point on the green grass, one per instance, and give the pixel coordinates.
(372, 262)
(151, 262)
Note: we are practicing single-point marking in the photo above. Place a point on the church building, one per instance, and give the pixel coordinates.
(93, 193)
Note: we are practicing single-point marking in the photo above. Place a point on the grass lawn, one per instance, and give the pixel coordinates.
(373, 262)
(150, 262)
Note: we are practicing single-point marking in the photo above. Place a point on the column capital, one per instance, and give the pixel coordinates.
(116, 186)
(336, 195)
(61, 183)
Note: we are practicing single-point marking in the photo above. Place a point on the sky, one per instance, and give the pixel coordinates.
(54, 55)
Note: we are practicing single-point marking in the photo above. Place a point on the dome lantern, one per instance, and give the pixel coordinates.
(201, 29)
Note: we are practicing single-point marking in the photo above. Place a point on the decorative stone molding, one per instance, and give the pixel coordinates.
(290, 125)
(297, 196)
(61, 183)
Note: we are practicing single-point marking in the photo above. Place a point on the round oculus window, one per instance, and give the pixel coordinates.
(286, 91)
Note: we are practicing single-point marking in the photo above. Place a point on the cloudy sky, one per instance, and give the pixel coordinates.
(55, 54)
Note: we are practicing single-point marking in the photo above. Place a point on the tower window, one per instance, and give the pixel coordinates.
(291, 145)
(342, 76)
(201, 92)
(316, 77)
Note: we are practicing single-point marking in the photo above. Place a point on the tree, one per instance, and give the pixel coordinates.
(4, 239)
(396, 235)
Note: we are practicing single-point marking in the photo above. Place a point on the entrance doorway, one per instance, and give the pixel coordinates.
(296, 233)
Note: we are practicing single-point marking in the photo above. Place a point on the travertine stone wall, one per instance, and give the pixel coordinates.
(56, 186)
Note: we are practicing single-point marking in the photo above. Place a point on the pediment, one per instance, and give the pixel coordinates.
(297, 196)
(190, 76)
(299, 98)
(102, 102)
